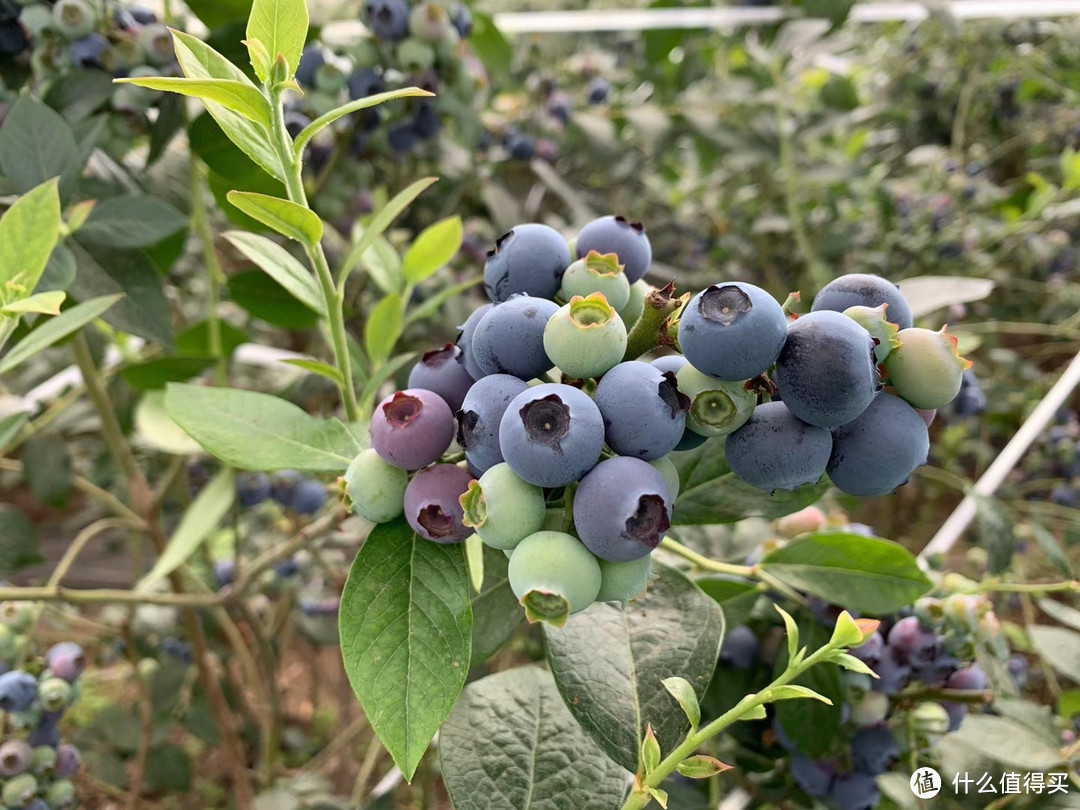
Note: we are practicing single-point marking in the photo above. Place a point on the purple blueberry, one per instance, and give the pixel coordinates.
(740, 648)
(956, 712)
(308, 497)
(480, 415)
(402, 138)
(364, 82)
(225, 572)
(465, 339)
(68, 761)
(443, 371)
(531, 258)
(861, 289)
(432, 504)
(971, 677)
(510, 338)
(282, 484)
(914, 644)
(252, 488)
(854, 791)
(880, 449)
(893, 674)
(142, 15)
(815, 778)
(90, 52)
(551, 434)
(616, 234)
(66, 660)
(775, 450)
(644, 411)
(311, 61)
(874, 749)
(411, 429)
(387, 19)
(47, 732)
(622, 509)
(19, 690)
(1018, 669)
(519, 145)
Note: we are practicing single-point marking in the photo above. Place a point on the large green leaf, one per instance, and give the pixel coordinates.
(211, 505)
(282, 27)
(216, 13)
(1007, 742)
(383, 328)
(29, 231)
(256, 431)
(866, 574)
(36, 144)
(60, 272)
(710, 493)
(20, 546)
(265, 298)
(55, 329)
(280, 265)
(510, 744)
(155, 374)
(1060, 647)
(284, 216)
(432, 249)
(610, 661)
(810, 724)
(496, 612)
(406, 625)
(131, 221)
(240, 97)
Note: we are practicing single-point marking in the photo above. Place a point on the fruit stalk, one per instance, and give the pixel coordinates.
(648, 331)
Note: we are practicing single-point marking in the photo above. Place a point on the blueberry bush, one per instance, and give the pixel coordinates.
(335, 510)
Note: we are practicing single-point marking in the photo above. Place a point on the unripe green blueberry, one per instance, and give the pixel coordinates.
(127, 51)
(37, 19)
(9, 644)
(670, 472)
(926, 369)
(332, 76)
(553, 575)
(73, 18)
(16, 616)
(717, 407)
(502, 508)
(585, 338)
(856, 686)
(43, 760)
(875, 321)
(23, 721)
(55, 694)
(416, 55)
(156, 41)
(365, 54)
(872, 709)
(635, 307)
(429, 22)
(622, 581)
(931, 721)
(61, 795)
(20, 791)
(963, 610)
(597, 273)
(376, 489)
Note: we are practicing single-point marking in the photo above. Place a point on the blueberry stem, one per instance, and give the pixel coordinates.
(648, 332)
(704, 562)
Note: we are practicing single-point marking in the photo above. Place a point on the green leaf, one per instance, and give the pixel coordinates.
(1006, 741)
(1059, 647)
(282, 27)
(811, 724)
(131, 221)
(200, 61)
(144, 311)
(1052, 549)
(217, 13)
(20, 547)
(259, 58)
(154, 374)
(46, 303)
(233, 95)
(200, 519)
(383, 328)
(866, 574)
(195, 340)
(474, 559)
(36, 145)
(48, 470)
(496, 612)
(850, 662)
(323, 121)
(29, 230)
(379, 223)
(996, 530)
(683, 692)
(433, 249)
(60, 272)
(10, 426)
(320, 368)
(434, 304)
(650, 751)
(263, 297)
(754, 713)
(283, 216)
(792, 631)
(544, 760)
(710, 493)
(493, 48)
(736, 597)
(280, 265)
(405, 626)
(795, 692)
(1068, 616)
(701, 766)
(610, 662)
(56, 329)
(660, 796)
(928, 294)
(384, 266)
(254, 431)
(156, 429)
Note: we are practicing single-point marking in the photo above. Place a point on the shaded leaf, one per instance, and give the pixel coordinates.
(36, 145)
(262, 296)
(280, 265)
(130, 221)
(48, 470)
(20, 547)
(56, 329)
(496, 612)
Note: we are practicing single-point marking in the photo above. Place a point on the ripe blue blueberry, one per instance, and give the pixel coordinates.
(387, 19)
(670, 362)
(402, 137)
(854, 791)
(553, 575)
(971, 401)
(142, 15)
(282, 485)
(295, 123)
(622, 509)
(426, 121)
(627, 240)
(862, 289)
(443, 371)
(971, 677)
(412, 428)
(623, 581)
(308, 497)
(815, 778)
(827, 371)
(732, 331)
(740, 648)
(551, 434)
(462, 20)
(18, 691)
(775, 450)
(364, 82)
(225, 572)
(510, 338)
(252, 488)
(15, 757)
(598, 90)
(502, 508)
(311, 61)
(376, 489)
(880, 449)
(66, 660)
(465, 338)
(433, 506)
(531, 258)
(91, 51)
(870, 651)
(914, 644)
(644, 411)
(874, 749)
(519, 145)
(480, 415)
(47, 731)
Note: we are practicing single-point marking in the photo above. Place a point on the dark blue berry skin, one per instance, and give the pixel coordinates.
(443, 371)
(48, 731)
(1018, 669)
(252, 489)
(426, 122)
(462, 20)
(854, 791)
(732, 331)
(295, 123)
(740, 648)
(311, 62)
(559, 108)
(971, 401)
(598, 90)
(387, 19)
(937, 672)
(66, 660)
(827, 371)
(782, 737)
(510, 338)
(465, 338)
(622, 509)
(893, 674)
(861, 289)
(957, 712)
(670, 362)
(774, 450)
(18, 691)
(282, 485)
(402, 138)
(520, 146)
(813, 777)
(289, 568)
(13, 38)
(644, 412)
(308, 497)
(178, 649)
(551, 435)
(364, 82)
(530, 259)
(615, 234)
(225, 572)
(880, 449)
(691, 439)
(874, 749)
(870, 651)
(88, 52)
(480, 415)
(914, 644)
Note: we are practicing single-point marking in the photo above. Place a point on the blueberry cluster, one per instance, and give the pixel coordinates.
(287, 488)
(35, 767)
(1051, 468)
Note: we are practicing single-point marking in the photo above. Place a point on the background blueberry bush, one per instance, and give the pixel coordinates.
(269, 540)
